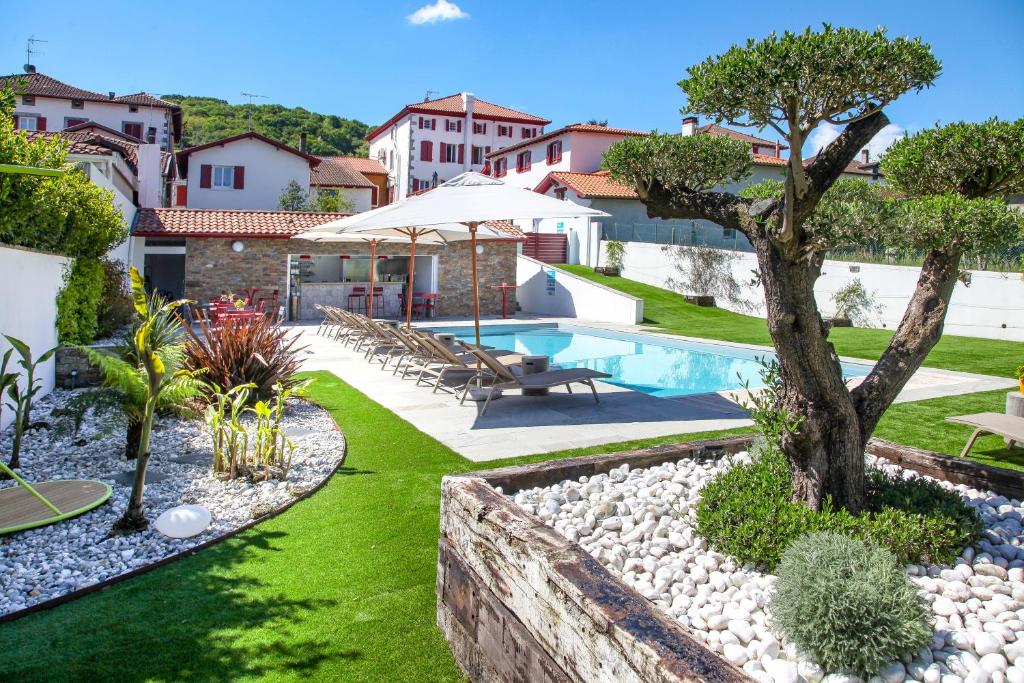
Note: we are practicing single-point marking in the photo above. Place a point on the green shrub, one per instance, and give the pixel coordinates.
(847, 604)
(115, 310)
(78, 302)
(748, 512)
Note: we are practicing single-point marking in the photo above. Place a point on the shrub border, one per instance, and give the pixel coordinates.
(138, 571)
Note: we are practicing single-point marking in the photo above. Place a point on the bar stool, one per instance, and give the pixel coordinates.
(425, 304)
(357, 299)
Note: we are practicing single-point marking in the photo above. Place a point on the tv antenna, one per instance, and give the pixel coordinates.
(251, 95)
(426, 95)
(29, 51)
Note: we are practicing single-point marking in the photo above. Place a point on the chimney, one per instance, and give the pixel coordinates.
(302, 142)
(30, 68)
(778, 150)
(110, 94)
(865, 156)
(689, 125)
(468, 102)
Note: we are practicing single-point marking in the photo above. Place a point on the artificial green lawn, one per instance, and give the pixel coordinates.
(340, 587)
(666, 310)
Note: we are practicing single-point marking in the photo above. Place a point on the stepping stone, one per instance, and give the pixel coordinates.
(296, 433)
(127, 478)
(194, 459)
(183, 521)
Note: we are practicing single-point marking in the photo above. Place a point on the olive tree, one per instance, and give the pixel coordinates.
(792, 84)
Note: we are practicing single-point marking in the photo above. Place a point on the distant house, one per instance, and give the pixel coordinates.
(245, 171)
(429, 142)
(351, 177)
(45, 104)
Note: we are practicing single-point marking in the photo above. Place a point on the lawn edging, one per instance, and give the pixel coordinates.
(138, 571)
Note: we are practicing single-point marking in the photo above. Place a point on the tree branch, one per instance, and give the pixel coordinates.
(723, 208)
(917, 333)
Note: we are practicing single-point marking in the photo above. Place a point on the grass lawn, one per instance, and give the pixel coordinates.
(340, 587)
(667, 310)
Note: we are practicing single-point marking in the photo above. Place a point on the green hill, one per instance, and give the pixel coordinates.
(208, 119)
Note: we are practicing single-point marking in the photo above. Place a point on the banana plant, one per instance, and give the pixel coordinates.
(160, 376)
(223, 417)
(21, 397)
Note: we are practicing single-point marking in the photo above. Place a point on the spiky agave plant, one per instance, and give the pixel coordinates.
(162, 372)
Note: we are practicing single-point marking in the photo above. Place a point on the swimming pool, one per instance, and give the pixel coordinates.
(641, 362)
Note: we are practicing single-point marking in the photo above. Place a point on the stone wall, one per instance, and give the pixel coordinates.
(73, 369)
(211, 266)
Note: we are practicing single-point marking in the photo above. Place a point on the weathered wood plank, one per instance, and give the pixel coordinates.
(956, 470)
(594, 627)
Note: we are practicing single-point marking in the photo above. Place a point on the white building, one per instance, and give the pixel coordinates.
(429, 142)
(246, 171)
(46, 104)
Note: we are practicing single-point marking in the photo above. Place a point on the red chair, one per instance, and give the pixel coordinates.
(378, 301)
(357, 299)
(423, 304)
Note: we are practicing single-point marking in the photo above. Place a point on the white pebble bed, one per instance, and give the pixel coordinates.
(640, 524)
(47, 562)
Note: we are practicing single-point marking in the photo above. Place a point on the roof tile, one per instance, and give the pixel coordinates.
(337, 171)
(571, 128)
(227, 223)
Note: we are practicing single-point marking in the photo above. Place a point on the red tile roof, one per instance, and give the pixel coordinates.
(453, 105)
(571, 128)
(75, 145)
(365, 166)
(765, 160)
(337, 172)
(855, 167)
(507, 227)
(86, 141)
(589, 185)
(144, 99)
(717, 131)
(225, 223)
(93, 127)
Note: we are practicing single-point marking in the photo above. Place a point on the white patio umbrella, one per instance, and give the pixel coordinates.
(372, 240)
(458, 209)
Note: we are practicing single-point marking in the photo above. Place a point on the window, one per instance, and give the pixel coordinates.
(480, 128)
(132, 128)
(560, 193)
(223, 177)
(77, 104)
(728, 233)
(428, 124)
(133, 108)
(500, 167)
(523, 160)
(451, 154)
(453, 125)
(504, 131)
(426, 150)
(74, 121)
(28, 99)
(554, 152)
(382, 156)
(529, 133)
(29, 122)
(151, 135)
(478, 155)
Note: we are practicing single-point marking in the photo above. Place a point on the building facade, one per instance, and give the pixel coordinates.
(430, 142)
(46, 104)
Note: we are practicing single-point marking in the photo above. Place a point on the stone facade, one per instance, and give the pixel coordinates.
(73, 369)
(211, 266)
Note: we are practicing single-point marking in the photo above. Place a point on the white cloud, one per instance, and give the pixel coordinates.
(442, 10)
(824, 134)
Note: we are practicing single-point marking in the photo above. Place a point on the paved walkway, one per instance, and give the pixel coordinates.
(517, 425)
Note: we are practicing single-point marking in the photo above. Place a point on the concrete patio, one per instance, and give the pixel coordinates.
(517, 425)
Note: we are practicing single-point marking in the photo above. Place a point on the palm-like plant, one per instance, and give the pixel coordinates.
(21, 397)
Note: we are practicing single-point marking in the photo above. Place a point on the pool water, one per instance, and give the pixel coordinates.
(644, 363)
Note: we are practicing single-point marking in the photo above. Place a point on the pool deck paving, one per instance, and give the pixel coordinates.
(517, 425)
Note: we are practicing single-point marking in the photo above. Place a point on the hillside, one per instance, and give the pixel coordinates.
(208, 119)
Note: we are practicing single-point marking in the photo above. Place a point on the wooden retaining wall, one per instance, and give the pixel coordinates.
(517, 601)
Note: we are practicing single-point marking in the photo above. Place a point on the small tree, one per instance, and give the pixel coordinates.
(614, 251)
(705, 272)
(855, 303)
(153, 351)
(793, 83)
(293, 197)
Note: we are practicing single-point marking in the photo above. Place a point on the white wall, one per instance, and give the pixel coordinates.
(981, 310)
(110, 114)
(362, 197)
(30, 318)
(543, 290)
(267, 170)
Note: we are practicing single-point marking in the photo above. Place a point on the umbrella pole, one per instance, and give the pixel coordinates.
(412, 272)
(476, 299)
(373, 266)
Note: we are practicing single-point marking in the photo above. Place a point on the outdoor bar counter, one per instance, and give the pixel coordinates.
(336, 294)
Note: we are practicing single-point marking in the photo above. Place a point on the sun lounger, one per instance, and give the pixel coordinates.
(506, 379)
(1009, 427)
(450, 361)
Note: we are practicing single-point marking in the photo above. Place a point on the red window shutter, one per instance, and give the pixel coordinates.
(426, 150)
(442, 153)
(487, 149)
(462, 154)
(41, 123)
(182, 196)
(458, 126)
(206, 176)
(239, 177)
(373, 196)
(433, 124)
(421, 122)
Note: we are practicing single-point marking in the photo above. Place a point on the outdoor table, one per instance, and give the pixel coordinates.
(250, 293)
(504, 287)
(446, 338)
(531, 366)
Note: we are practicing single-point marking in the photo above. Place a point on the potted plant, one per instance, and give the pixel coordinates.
(613, 252)
(854, 305)
(1020, 377)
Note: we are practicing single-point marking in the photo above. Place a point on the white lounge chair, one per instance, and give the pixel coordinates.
(1009, 427)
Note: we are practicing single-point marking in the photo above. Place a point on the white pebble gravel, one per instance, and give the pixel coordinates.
(47, 562)
(640, 524)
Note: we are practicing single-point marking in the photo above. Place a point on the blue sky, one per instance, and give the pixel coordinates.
(567, 61)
